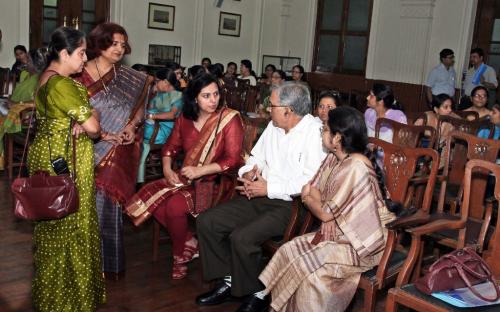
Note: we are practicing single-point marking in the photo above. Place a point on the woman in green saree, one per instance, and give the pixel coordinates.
(67, 258)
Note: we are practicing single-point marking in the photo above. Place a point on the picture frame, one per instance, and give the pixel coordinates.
(229, 24)
(161, 16)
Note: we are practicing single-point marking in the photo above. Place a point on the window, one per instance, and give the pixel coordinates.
(342, 31)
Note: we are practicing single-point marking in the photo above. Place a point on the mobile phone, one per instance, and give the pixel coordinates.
(60, 166)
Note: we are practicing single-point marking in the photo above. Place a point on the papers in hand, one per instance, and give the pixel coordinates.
(464, 298)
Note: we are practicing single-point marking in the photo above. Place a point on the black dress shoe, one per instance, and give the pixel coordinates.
(218, 295)
(254, 304)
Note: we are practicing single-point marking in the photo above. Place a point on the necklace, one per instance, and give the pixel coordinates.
(106, 89)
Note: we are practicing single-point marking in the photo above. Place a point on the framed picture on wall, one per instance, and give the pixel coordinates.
(161, 16)
(229, 24)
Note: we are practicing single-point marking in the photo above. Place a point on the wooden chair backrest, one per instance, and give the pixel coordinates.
(4, 81)
(251, 98)
(400, 166)
(413, 117)
(406, 135)
(469, 147)
(468, 115)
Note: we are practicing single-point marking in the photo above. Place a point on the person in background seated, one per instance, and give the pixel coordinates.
(140, 68)
(442, 105)
(328, 100)
(196, 70)
(382, 104)
(266, 81)
(25, 89)
(479, 98)
(278, 77)
(217, 70)
(179, 73)
(205, 62)
(284, 159)
(298, 75)
(230, 74)
(320, 271)
(266, 76)
(22, 60)
(494, 119)
(21, 98)
(247, 72)
(211, 138)
(165, 107)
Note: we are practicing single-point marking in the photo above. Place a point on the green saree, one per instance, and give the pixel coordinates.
(67, 258)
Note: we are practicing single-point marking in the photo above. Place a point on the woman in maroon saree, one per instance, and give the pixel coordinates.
(119, 94)
(212, 142)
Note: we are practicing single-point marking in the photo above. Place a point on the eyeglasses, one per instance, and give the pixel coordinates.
(274, 106)
(480, 96)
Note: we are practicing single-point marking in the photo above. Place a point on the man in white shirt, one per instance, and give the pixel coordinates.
(286, 157)
(488, 78)
(441, 79)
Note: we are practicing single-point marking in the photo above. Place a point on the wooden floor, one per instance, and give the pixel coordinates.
(145, 287)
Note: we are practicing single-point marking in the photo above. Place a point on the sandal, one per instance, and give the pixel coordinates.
(189, 253)
(179, 271)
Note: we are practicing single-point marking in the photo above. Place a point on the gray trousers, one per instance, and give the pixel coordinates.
(231, 235)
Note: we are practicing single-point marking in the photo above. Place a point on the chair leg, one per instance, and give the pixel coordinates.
(9, 159)
(156, 240)
(391, 304)
(370, 300)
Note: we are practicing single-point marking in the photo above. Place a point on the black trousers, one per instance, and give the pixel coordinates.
(231, 235)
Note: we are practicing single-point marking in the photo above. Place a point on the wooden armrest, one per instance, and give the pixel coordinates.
(417, 218)
(435, 226)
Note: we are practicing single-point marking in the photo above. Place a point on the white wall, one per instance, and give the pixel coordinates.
(14, 23)
(407, 35)
(276, 27)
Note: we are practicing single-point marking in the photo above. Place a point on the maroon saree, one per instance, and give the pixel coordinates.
(209, 147)
(118, 96)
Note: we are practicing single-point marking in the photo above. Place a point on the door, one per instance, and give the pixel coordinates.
(487, 33)
(47, 15)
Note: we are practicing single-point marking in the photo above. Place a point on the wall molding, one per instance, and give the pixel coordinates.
(418, 9)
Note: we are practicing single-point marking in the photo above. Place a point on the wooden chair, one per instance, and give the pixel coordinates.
(153, 168)
(5, 79)
(251, 99)
(14, 142)
(412, 117)
(400, 167)
(248, 140)
(301, 221)
(467, 115)
(477, 215)
(406, 135)
(407, 295)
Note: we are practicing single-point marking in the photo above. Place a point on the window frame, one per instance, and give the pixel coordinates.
(342, 33)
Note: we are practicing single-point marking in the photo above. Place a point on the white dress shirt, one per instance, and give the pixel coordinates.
(442, 80)
(287, 160)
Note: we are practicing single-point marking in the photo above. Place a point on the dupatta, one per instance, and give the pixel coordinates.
(118, 95)
(143, 204)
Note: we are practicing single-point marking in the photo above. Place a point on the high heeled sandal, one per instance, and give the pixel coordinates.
(189, 253)
(179, 271)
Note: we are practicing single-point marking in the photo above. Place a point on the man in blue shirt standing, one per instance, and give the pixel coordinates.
(441, 79)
